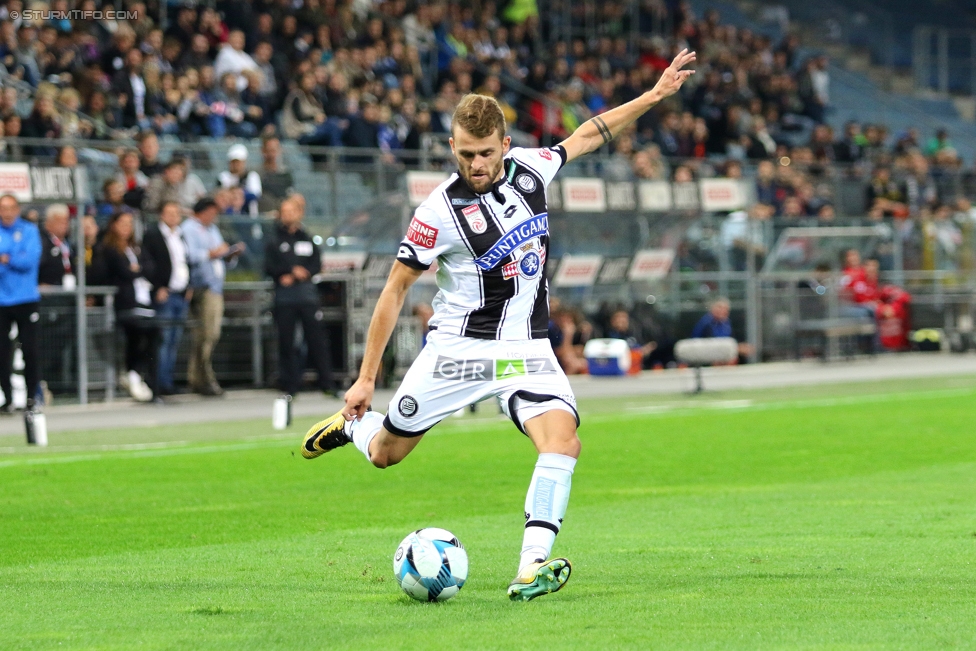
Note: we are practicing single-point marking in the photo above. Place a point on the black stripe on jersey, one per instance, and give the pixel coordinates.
(457, 223)
(536, 200)
(536, 203)
(485, 322)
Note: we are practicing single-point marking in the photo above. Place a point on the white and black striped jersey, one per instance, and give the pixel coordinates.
(491, 249)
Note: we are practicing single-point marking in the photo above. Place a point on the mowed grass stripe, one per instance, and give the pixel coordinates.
(845, 526)
(704, 571)
(40, 456)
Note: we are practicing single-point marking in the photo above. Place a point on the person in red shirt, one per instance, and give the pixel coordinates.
(891, 309)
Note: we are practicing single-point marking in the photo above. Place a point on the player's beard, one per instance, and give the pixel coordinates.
(485, 184)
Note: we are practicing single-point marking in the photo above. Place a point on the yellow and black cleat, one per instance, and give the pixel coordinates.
(540, 578)
(325, 435)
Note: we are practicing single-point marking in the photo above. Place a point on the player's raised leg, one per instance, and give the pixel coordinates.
(554, 434)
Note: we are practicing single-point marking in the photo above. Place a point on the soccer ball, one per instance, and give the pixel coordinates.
(431, 564)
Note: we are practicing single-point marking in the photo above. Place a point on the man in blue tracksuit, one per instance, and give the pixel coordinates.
(20, 256)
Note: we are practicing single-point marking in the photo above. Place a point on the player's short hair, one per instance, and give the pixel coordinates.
(479, 115)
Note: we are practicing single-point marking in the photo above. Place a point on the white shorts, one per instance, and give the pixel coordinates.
(453, 372)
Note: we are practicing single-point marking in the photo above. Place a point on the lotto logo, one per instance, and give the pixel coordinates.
(421, 234)
(483, 370)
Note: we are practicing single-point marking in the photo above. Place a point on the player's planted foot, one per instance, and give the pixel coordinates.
(325, 435)
(537, 579)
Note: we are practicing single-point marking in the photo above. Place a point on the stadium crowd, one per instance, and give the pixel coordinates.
(385, 74)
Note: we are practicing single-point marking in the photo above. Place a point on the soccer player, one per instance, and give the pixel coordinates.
(487, 228)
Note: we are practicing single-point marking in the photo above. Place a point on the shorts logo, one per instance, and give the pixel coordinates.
(283, 247)
(421, 234)
(407, 406)
(525, 183)
(476, 220)
(484, 370)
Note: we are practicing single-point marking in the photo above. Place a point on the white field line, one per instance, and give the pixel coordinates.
(137, 450)
(749, 405)
(174, 448)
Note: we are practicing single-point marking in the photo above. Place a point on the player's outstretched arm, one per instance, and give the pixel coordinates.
(600, 130)
(360, 395)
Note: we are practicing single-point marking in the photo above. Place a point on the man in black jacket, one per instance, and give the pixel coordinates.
(167, 268)
(291, 259)
(58, 316)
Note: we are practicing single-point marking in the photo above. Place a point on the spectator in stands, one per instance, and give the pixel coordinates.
(134, 180)
(263, 53)
(304, 120)
(291, 259)
(105, 118)
(885, 195)
(113, 201)
(42, 121)
(166, 187)
(117, 263)
(227, 102)
(230, 201)
(12, 129)
(233, 60)
(193, 187)
(149, 163)
(129, 84)
(619, 327)
(238, 176)
(716, 323)
(20, 253)
(618, 166)
(814, 88)
(67, 157)
(56, 260)
(650, 165)
(255, 104)
(364, 128)
(276, 180)
(208, 255)
(167, 262)
(56, 270)
(851, 148)
(90, 230)
(562, 332)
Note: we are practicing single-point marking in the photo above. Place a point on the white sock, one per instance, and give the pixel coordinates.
(545, 505)
(363, 430)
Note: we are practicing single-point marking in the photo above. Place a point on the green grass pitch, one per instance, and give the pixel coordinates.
(833, 518)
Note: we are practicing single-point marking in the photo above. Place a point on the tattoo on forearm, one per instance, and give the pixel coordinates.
(601, 126)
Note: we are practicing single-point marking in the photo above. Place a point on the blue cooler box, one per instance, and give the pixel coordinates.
(607, 356)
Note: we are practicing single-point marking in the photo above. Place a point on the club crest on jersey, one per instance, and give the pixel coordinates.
(510, 242)
(525, 183)
(476, 220)
(528, 266)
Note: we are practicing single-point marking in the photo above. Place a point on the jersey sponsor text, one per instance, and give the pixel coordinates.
(421, 234)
